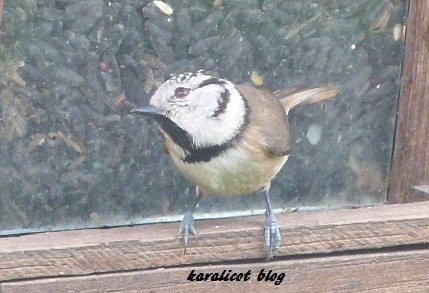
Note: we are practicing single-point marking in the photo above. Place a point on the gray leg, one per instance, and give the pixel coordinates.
(188, 224)
(273, 238)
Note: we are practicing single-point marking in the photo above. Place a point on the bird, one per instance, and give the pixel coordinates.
(228, 139)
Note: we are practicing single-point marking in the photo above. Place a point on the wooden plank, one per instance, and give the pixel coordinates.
(411, 153)
(83, 252)
(404, 271)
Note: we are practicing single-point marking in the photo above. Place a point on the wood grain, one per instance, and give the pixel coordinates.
(84, 252)
(411, 151)
(406, 271)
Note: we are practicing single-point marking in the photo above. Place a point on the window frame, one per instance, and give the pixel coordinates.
(343, 245)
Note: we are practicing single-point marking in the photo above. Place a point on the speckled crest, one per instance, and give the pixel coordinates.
(189, 79)
(186, 76)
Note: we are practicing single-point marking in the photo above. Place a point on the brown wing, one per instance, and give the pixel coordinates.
(269, 128)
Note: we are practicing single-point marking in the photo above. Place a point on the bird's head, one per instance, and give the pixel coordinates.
(197, 110)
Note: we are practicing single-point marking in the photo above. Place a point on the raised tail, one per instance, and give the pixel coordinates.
(293, 96)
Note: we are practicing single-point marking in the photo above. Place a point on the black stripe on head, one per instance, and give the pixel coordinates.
(200, 154)
(205, 154)
(177, 134)
(224, 97)
(211, 80)
(222, 103)
(184, 140)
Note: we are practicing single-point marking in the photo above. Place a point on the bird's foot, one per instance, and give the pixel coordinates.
(187, 226)
(273, 237)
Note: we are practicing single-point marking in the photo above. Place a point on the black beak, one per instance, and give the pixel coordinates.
(148, 111)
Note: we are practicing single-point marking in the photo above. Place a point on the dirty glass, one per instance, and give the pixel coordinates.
(72, 156)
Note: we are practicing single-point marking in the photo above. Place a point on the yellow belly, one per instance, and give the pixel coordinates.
(234, 172)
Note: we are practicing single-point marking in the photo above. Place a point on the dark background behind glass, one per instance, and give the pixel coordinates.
(71, 156)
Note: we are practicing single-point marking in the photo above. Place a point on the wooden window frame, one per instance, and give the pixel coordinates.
(381, 248)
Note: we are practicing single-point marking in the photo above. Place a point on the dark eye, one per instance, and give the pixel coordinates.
(181, 92)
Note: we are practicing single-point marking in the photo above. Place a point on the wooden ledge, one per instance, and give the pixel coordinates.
(405, 271)
(91, 251)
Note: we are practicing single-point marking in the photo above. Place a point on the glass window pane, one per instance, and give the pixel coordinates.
(72, 155)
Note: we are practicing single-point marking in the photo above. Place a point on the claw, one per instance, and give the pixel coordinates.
(188, 223)
(187, 226)
(273, 237)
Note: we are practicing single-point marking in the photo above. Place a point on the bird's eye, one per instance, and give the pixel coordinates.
(181, 92)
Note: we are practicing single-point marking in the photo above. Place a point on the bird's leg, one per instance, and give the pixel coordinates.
(188, 224)
(273, 238)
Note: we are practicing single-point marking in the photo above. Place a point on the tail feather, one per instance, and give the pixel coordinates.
(293, 96)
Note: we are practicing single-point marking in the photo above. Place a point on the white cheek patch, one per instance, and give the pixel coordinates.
(205, 99)
(207, 130)
(212, 114)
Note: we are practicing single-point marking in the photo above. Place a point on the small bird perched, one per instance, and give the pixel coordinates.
(227, 139)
